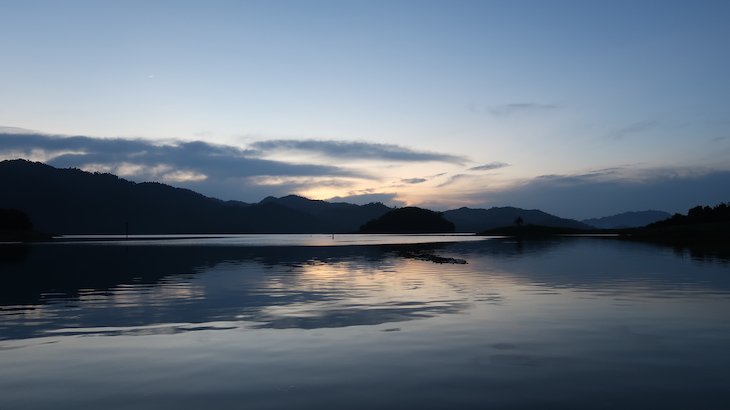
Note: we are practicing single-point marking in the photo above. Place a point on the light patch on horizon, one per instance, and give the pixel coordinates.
(37, 154)
(301, 180)
(163, 172)
(369, 196)
(321, 192)
(184, 176)
(127, 169)
(309, 187)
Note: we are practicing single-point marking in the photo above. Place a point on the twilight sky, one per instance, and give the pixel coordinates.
(579, 108)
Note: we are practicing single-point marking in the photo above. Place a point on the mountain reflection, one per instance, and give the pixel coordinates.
(63, 289)
(109, 289)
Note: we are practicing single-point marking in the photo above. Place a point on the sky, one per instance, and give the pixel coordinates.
(579, 108)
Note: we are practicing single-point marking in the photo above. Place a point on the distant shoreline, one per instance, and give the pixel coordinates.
(690, 235)
(257, 240)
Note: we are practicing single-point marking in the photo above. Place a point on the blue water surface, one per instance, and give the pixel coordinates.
(288, 322)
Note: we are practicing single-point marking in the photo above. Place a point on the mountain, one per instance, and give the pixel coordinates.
(478, 220)
(627, 219)
(71, 201)
(340, 216)
(409, 220)
(74, 201)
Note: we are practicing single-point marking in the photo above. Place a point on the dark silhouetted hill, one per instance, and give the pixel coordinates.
(701, 225)
(698, 215)
(340, 216)
(409, 220)
(627, 219)
(479, 220)
(73, 201)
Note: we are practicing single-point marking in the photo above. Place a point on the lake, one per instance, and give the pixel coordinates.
(315, 322)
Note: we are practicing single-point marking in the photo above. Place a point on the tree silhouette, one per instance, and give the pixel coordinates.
(519, 221)
(698, 215)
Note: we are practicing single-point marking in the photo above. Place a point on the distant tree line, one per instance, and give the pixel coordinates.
(698, 215)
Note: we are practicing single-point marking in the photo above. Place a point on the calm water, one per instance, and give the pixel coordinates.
(259, 240)
(574, 323)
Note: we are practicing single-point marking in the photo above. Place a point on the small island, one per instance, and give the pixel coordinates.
(409, 220)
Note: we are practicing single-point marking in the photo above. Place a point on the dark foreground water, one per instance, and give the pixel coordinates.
(577, 323)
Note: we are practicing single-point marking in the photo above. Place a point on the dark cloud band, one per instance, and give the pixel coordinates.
(209, 159)
(490, 166)
(357, 150)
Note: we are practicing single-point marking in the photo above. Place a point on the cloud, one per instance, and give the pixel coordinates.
(413, 180)
(211, 159)
(301, 182)
(219, 170)
(506, 110)
(633, 128)
(357, 150)
(453, 179)
(490, 166)
(16, 130)
(223, 171)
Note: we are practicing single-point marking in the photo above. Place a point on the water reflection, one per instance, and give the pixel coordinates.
(110, 286)
(52, 288)
(562, 323)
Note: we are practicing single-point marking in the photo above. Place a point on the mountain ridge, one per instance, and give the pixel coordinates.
(630, 219)
(72, 201)
(479, 219)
